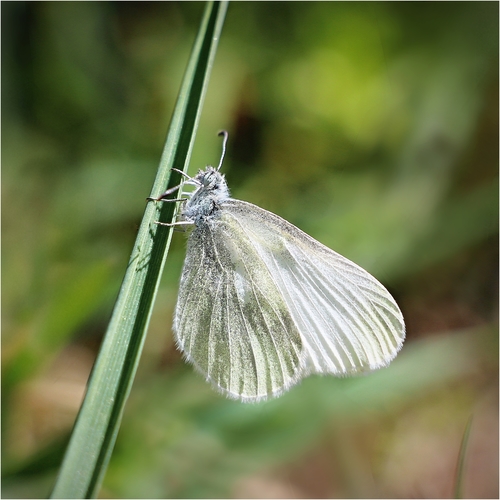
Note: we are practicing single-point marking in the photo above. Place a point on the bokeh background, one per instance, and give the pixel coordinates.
(371, 126)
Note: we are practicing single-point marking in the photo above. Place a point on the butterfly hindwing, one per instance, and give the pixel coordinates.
(231, 320)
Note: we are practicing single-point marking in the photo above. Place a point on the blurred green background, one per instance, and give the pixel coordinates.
(371, 126)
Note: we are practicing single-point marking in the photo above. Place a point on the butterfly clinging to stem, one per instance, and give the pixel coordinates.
(262, 304)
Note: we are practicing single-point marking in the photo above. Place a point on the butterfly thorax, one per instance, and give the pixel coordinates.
(207, 198)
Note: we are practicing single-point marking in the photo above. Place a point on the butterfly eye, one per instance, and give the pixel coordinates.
(210, 181)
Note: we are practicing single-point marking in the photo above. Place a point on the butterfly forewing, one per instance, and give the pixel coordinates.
(231, 319)
(347, 320)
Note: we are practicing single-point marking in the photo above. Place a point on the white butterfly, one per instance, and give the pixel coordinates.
(262, 305)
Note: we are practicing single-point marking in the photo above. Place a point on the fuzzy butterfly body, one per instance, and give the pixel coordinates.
(261, 304)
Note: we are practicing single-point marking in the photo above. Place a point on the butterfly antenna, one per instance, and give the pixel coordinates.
(224, 143)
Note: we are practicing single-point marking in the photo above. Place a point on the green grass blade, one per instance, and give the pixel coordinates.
(98, 421)
(459, 480)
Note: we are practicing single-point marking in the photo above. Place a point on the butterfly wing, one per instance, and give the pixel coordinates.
(348, 321)
(231, 320)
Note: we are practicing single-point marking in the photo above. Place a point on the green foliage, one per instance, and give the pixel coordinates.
(372, 126)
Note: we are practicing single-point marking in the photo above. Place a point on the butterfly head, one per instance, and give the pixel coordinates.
(211, 192)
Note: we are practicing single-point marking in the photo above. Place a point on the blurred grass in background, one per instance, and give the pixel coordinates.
(371, 126)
